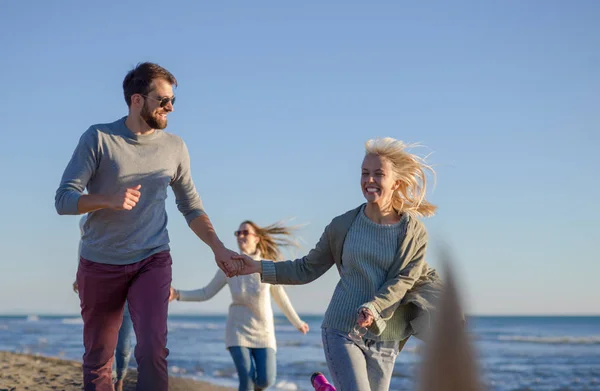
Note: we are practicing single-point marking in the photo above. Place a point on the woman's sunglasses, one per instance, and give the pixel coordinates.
(163, 100)
(243, 232)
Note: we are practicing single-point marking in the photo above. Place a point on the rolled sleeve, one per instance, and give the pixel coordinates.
(269, 273)
(379, 323)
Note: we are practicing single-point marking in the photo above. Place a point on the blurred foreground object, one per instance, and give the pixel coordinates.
(449, 362)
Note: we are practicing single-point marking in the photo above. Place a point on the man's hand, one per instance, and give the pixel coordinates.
(125, 200)
(204, 229)
(365, 318)
(227, 261)
(304, 328)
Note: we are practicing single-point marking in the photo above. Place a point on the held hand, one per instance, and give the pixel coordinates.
(247, 265)
(127, 199)
(226, 260)
(304, 328)
(365, 318)
(173, 294)
(75, 287)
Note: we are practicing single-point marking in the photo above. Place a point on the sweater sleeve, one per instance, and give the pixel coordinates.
(79, 170)
(283, 301)
(388, 297)
(187, 198)
(303, 270)
(208, 292)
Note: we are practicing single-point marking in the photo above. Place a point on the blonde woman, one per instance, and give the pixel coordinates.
(386, 290)
(250, 331)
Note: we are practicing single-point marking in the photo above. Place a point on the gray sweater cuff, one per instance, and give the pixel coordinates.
(193, 214)
(379, 324)
(69, 205)
(269, 273)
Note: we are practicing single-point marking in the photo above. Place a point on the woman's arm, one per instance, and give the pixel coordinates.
(299, 271)
(389, 296)
(206, 293)
(283, 301)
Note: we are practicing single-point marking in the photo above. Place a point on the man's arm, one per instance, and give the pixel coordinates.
(204, 229)
(125, 200)
(79, 170)
(190, 205)
(69, 198)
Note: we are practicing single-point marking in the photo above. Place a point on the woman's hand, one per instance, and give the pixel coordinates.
(365, 317)
(304, 328)
(173, 294)
(246, 265)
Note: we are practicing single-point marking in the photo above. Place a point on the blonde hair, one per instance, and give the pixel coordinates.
(409, 169)
(272, 238)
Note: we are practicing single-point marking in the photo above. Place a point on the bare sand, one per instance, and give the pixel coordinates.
(20, 372)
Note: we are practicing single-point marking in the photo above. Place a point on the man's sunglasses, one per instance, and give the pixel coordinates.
(163, 100)
(243, 232)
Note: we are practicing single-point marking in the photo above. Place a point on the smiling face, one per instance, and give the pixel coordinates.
(152, 113)
(378, 181)
(247, 238)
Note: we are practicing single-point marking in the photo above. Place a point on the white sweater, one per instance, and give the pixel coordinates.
(250, 321)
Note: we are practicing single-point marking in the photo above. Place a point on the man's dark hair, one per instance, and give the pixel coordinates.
(139, 79)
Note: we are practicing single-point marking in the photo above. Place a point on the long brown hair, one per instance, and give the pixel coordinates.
(272, 238)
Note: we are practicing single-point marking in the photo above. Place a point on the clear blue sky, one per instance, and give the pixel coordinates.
(275, 102)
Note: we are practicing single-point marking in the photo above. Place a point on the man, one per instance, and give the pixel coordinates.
(123, 350)
(126, 167)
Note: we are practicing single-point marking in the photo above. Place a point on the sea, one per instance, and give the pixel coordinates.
(514, 353)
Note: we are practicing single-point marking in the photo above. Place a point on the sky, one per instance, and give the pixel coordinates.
(275, 103)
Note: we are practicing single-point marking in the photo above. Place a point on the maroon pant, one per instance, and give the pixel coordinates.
(103, 290)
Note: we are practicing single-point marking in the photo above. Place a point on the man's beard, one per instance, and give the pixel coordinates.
(153, 121)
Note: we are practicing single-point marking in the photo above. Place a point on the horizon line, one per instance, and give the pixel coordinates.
(481, 315)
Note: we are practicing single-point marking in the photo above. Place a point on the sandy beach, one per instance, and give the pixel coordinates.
(37, 373)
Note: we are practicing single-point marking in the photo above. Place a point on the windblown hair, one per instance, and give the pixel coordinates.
(139, 79)
(410, 170)
(272, 238)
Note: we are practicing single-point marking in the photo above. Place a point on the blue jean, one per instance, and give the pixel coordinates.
(123, 350)
(256, 367)
(366, 366)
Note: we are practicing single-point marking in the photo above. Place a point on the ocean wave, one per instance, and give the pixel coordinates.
(72, 321)
(228, 373)
(285, 385)
(560, 340)
(178, 370)
(33, 318)
(194, 326)
(285, 328)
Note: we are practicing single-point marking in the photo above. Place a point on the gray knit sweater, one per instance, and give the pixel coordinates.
(369, 251)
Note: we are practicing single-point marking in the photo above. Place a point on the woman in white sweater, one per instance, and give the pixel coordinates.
(250, 332)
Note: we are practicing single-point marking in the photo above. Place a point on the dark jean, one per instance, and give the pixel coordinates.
(103, 290)
(123, 352)
(256, 367)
